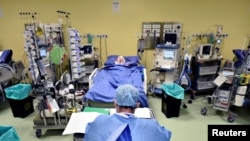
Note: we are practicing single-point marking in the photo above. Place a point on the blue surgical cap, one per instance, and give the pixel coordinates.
(127, 95)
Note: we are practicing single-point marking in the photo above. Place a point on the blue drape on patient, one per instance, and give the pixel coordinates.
(110, 77)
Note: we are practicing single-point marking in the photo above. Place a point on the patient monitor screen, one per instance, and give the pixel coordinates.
(206, 50)
(169, 54)
(43, 53)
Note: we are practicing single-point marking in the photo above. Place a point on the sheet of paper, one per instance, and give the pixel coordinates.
(139, 112)
(143, 113)
(52, 104)
(78, 122)
(112, 111)
(220, 80)
(116, 6)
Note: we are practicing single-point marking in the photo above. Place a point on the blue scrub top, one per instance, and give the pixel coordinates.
(121, 127)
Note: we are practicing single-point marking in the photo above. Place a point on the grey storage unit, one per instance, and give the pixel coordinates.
(204, 73)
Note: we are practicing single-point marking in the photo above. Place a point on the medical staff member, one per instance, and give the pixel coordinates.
(123, 125)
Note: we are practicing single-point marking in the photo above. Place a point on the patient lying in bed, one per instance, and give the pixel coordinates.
(120, 60)
(117, 70)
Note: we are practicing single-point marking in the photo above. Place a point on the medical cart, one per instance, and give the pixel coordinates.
(204, 73)
(223, 96)
(38, 41)
(235, 89)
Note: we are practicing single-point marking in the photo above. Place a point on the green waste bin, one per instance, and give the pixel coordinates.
(18, 91)
(8, 133)
(171, 99)
(20, 102)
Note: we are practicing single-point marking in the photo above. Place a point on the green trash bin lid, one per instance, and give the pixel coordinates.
(173, 90)
(18, 91)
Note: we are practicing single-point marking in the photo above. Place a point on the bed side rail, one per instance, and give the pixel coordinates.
(145, 80)
(91, 77)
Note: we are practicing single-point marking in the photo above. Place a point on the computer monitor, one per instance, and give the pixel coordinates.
(170, 38)
(205, 50)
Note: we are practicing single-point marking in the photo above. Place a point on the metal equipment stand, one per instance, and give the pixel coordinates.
(46, 119)
(224, 95)
(222, 99)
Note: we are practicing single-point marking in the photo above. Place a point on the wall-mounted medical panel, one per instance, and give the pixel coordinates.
(161, 33)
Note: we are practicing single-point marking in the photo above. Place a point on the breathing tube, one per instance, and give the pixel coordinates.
(185, 72)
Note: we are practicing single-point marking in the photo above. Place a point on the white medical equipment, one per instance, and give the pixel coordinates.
(75, 54)
(214, 45)
(205, 51)
(82, 57)
(167, 57)
(39, 37)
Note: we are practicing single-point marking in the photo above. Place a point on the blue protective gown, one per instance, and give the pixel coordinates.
(121, 127)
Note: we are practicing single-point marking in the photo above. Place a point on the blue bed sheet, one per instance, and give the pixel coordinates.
(6, 56)
(110, 77)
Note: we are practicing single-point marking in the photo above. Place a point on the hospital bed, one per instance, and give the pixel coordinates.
(9, 70)
(6, 71)
(103, 81)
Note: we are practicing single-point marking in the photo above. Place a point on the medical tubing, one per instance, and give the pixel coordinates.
(189, 82)
(184, 72)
